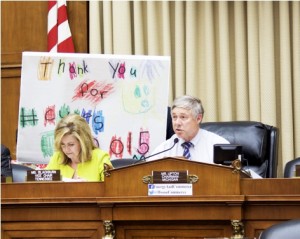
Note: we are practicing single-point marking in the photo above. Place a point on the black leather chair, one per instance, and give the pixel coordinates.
(289, 169)
(123, 162)
(259, 141)
(19, 172)
(283, 230)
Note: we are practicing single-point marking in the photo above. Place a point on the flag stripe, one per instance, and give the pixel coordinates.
(62, 14)
(66, 46)
(52, 25)
(52, 16)
(59, 33)
(52, 38)
(51, 4)
(64, 32)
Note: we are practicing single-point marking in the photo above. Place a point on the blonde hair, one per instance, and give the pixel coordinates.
(76, 126)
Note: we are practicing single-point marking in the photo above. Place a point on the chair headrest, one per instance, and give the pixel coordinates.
(253, 136)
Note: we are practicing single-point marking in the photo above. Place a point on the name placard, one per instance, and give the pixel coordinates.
(43, 175)
(170, 176)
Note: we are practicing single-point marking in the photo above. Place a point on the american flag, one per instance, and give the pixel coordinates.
(59, 33)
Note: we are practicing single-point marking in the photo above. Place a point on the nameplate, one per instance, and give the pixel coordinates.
(170, 176)
(43, 175)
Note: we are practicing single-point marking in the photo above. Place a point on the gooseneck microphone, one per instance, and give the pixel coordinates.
(143, 158)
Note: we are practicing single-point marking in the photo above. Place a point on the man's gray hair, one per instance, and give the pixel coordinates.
(189, 103)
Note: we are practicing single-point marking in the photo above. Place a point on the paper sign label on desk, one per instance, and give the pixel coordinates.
(178, 189)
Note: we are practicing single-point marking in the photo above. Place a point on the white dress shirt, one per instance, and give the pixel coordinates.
(202, 149)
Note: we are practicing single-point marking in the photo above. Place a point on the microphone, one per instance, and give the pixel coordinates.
(143, 158)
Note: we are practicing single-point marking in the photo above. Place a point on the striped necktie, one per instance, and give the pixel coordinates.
(186, 151)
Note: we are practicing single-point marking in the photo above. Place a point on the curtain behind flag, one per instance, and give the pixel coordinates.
(59, 33)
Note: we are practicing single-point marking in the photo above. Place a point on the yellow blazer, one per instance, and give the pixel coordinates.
(92, 170)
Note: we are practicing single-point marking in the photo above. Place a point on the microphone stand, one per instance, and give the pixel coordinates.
(143, 158)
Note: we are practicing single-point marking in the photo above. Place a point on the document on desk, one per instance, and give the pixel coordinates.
(73, 180)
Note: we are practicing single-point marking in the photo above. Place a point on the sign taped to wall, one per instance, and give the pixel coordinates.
(124, 99)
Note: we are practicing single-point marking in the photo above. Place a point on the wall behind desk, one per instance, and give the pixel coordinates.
(24, 28)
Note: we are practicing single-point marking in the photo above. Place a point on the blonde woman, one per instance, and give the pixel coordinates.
(76, 155)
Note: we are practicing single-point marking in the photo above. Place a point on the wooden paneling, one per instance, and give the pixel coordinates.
(86, 230)
(259, 204)
(162, 230)
(268, 186)
(24, 28)
(10, 92)
(218, 177)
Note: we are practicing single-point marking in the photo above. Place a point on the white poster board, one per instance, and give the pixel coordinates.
(123, 98)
